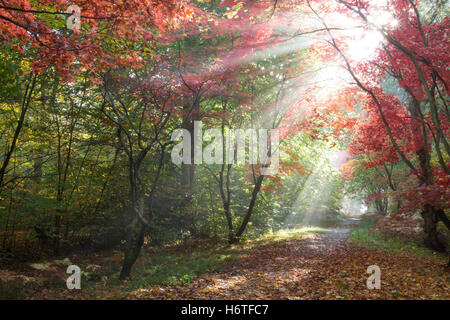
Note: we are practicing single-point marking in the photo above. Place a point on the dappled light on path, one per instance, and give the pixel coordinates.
(321, 266)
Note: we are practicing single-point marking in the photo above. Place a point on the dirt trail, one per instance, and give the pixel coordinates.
(322, 266)
(343, 229)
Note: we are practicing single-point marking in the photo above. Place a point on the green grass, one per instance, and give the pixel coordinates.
(288, 234)
(363, 234)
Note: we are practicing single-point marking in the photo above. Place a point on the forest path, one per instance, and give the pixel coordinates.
(320, 266)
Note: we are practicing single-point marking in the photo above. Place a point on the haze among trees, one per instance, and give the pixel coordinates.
(356, 92)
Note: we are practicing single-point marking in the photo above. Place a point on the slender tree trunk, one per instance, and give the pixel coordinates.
(25, 105)
(56, 233)
(134, 242)
(226, 209)
(136, 230)
(139, 225)
(247, 216)
(188, 170)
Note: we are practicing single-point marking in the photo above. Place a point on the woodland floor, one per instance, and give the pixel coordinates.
(320, 266)
(324, 265)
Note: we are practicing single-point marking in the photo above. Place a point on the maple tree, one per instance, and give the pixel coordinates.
(394, 129)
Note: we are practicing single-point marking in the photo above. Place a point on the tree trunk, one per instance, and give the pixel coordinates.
(256, 190)
(226, 209)
(56, 233)
(430, 214)
(25, 105)
(443, 217)
(135, 240)
(188, 170)
(430, 219)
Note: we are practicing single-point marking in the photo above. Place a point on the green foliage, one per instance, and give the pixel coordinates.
(363, 234)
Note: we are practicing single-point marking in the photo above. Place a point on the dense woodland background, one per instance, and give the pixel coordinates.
(358, 90)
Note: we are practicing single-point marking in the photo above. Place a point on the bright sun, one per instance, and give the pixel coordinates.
(364, 42)
(368, 41)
